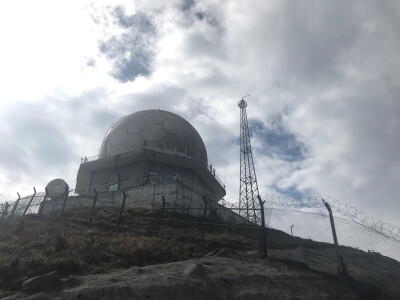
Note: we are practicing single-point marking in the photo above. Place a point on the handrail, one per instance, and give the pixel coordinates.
(146, 181)
(209, 167)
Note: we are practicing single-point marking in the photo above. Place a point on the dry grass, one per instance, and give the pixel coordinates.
(35, 245)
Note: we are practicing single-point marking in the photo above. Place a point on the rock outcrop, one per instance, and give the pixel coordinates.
(223, 275)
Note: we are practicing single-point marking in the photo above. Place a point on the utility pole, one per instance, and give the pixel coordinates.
(249, 207)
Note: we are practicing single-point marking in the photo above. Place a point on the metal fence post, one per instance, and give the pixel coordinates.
(5, 211)
(30, 201)
(203, 225)
(122, 209)
(342, 268)
(94, 205)
(43, 202)
(161, 213)
(263, 238)
(65, 201)
(15, 206)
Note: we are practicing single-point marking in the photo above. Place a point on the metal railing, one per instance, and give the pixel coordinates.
(143, 182)
(175, 152)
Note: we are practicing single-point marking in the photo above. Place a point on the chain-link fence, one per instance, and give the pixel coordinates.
(183, 213)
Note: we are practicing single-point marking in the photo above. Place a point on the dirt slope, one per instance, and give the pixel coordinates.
(169, 263)
(225, 275)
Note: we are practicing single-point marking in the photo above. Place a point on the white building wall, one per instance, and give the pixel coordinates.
(179, 199)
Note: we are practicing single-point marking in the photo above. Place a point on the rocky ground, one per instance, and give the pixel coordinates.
(43, 257)
(227, 274)
(366, 269)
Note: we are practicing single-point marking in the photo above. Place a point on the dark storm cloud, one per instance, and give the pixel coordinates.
(132, 51)
(276, 140)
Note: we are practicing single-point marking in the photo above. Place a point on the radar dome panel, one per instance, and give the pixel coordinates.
(153, 132)
(153, 128)
(172, 126)
(132, 140)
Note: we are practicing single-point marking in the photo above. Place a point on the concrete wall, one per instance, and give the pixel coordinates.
(179, 197)
(140, 170)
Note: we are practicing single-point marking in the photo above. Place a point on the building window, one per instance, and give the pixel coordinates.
(176, 177)
(113, 187)
(151, 175)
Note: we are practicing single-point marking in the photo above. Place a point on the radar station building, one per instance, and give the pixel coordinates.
(151, 154)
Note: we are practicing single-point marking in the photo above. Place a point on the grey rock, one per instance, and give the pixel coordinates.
(289, 274)
(134, 270)
(44, 282)
(71, 282)
(98, 270)
(195, 270)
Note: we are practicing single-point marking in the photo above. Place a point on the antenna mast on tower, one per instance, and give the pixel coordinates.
(249, 206)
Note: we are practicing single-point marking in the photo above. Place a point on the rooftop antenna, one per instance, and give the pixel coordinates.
(84, 148)
(249, 207)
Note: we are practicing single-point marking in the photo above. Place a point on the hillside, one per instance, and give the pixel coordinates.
(34, 245)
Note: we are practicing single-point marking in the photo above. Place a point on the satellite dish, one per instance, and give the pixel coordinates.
(57, 189)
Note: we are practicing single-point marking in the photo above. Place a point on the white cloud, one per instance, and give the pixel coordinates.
(330, 70)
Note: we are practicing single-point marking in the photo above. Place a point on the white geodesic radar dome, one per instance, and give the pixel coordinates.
(157, 129)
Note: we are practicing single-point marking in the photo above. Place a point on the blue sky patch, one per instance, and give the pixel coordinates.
(277, 141)
(291, 192)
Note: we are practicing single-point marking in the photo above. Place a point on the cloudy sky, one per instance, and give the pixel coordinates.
(324, 80)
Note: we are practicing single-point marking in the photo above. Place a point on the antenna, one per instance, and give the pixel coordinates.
(242, 103)
(84, 148)
(249, 207)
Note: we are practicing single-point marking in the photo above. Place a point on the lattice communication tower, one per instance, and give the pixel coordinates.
(249, 206)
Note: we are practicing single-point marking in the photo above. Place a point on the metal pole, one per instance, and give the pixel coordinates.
(342, 269)
(30, 201)
(161, 213)
(116, 167)
(203, 226)
(94, 205)
(264, 238)
(122, 208)
(15, 206)
(5, 211)
(291, 229)
(43, 202)
(65, 201)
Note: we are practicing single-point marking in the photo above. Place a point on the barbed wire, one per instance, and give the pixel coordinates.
(343, 209)
(311, 205)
